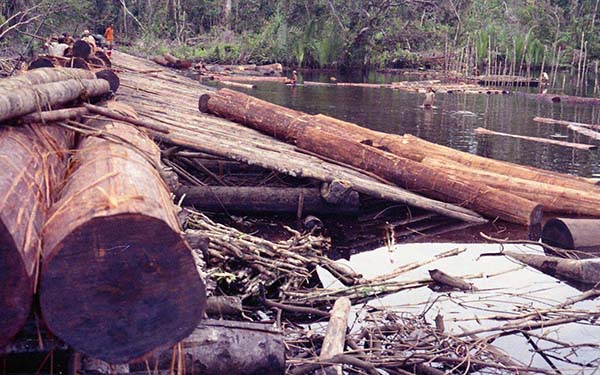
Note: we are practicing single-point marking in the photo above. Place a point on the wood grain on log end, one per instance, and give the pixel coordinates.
(82, 49)
(203, 103)
(110, 291)
(111, 77)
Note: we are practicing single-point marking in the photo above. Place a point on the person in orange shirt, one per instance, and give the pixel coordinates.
(109, 35)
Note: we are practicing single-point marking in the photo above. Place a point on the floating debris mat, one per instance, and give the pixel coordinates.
(448, 88)
(504, 80)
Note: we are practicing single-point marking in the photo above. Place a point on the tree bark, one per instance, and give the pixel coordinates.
(264, 199)
(33, 161)
(118, 280)
(226, 347)
(294, 126)
(585, 271)
(27, 100)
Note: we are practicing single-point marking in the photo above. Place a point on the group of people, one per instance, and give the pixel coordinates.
(57, 46)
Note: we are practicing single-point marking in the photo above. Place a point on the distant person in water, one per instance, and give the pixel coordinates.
(429, 98)
(294, 78)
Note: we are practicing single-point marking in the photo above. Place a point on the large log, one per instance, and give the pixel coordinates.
(556, 199)
(224, 347)
(44, 75)
(118, 279)
(264, 200)
(82, 49)
(294, 126)
(335, 337)
(27, 100)
(585, 129)
(572, 234)
(32, 164)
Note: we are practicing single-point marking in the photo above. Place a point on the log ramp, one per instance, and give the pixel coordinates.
(191, 129)
(141, 291)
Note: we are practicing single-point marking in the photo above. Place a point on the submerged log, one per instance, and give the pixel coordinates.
(263, 199)
(41, 97)
(288, 125)
(585, 271)
(224, 347)
(32, 161)
(585, 129)
(580, 146)
(572, 234)
(118, 279)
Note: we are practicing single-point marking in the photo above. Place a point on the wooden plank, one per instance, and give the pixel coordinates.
(579, 146)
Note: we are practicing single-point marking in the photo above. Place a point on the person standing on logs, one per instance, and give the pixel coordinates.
(109, 35)
(429, 98)
(87, 37)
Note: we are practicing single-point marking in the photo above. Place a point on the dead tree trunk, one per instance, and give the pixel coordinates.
(225, 347)
(264, 199)
(297, 127)
(15, 103)
(32, 161)
(118, 279)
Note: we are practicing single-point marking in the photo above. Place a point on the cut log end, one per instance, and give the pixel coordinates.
(82, 49)
(16, 291)
(556, 233)
(40, 62)
(91, 297)
(111, 77)
(203, 103)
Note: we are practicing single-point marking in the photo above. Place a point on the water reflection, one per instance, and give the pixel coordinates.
(452, 122)
(505, 288)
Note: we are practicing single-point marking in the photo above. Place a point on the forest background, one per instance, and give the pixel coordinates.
(338, 34)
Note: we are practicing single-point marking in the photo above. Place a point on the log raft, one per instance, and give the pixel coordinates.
(101, 246)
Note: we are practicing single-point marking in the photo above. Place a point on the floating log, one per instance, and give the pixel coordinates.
(276, 67)
(554, 198)
(577, 127)
(248, 78)
(82, 49)
(40, 62)
(44, 75)
(335, 337)
(294, 126)
(108, 288)
(572, 234)
(32, 160)
(579, 146)
(264, 199)
(224, 347)
(585, 271)
(566, 99)
(420, 148)
(41, 97)
(237, 84)
(503, 80)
